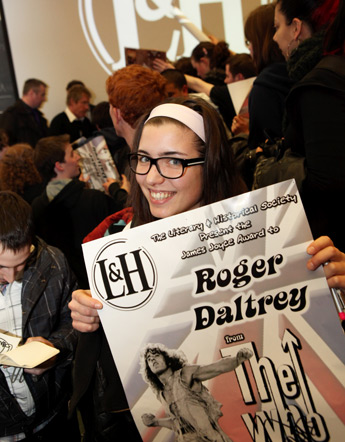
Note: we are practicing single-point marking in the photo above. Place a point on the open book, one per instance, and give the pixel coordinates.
(28, 355)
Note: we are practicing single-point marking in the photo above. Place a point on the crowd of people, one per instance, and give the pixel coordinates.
(180, 111)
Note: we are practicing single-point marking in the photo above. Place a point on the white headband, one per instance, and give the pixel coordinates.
(181, 113)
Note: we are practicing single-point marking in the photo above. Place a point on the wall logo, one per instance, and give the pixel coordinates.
(125, 281)
(131, 17)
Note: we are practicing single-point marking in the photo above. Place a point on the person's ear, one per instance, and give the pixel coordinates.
(238, 77)
(296, 26)
(118, 114)
(185, 90)
(59, 166)
(115, 114)
(111, 109)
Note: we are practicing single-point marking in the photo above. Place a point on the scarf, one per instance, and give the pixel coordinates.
(305, 57)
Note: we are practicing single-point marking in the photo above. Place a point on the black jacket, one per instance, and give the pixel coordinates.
(68, 218)
(19, 121)
(97, 387)
(267, 103)
(60, 125)
(221, 98)
(316, 129)
(98, 392)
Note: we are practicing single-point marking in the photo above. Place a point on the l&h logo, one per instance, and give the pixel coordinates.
(131, 19)
(125, 281)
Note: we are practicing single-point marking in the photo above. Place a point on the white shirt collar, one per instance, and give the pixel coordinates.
(70, 115)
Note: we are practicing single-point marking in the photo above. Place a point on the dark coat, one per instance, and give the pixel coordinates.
(21, 126)
(61, 125)
(316, 129)
(221, 98)
(68, 218)
(267, 104)
(97, 387)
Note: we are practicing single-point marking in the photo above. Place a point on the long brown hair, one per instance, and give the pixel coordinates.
(259, 30)
(221, 178)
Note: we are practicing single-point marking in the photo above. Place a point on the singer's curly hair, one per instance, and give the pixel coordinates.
(175, 359)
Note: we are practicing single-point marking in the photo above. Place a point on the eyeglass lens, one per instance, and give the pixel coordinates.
(168, 167)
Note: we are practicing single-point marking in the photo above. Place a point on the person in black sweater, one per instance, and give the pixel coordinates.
(272, 85)
(23, 121)
(73, 120)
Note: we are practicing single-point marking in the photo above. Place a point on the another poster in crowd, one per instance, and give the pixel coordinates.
(239, 92)
(96, 162)
(144, 57)
(218, 329)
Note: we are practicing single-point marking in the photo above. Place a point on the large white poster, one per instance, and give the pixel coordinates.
(218, 329)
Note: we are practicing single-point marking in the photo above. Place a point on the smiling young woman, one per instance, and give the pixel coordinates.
(183, 129)
(180, 160)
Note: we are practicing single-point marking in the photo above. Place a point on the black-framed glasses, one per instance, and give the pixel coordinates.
(169, 167)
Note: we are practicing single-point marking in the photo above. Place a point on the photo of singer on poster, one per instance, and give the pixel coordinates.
(191, 409)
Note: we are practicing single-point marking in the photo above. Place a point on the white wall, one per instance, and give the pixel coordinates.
(48, 41)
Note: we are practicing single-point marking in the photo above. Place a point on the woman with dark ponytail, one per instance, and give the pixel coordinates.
(209, 60)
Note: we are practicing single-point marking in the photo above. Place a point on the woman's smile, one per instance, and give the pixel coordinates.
(166, 196)
(160, 195)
